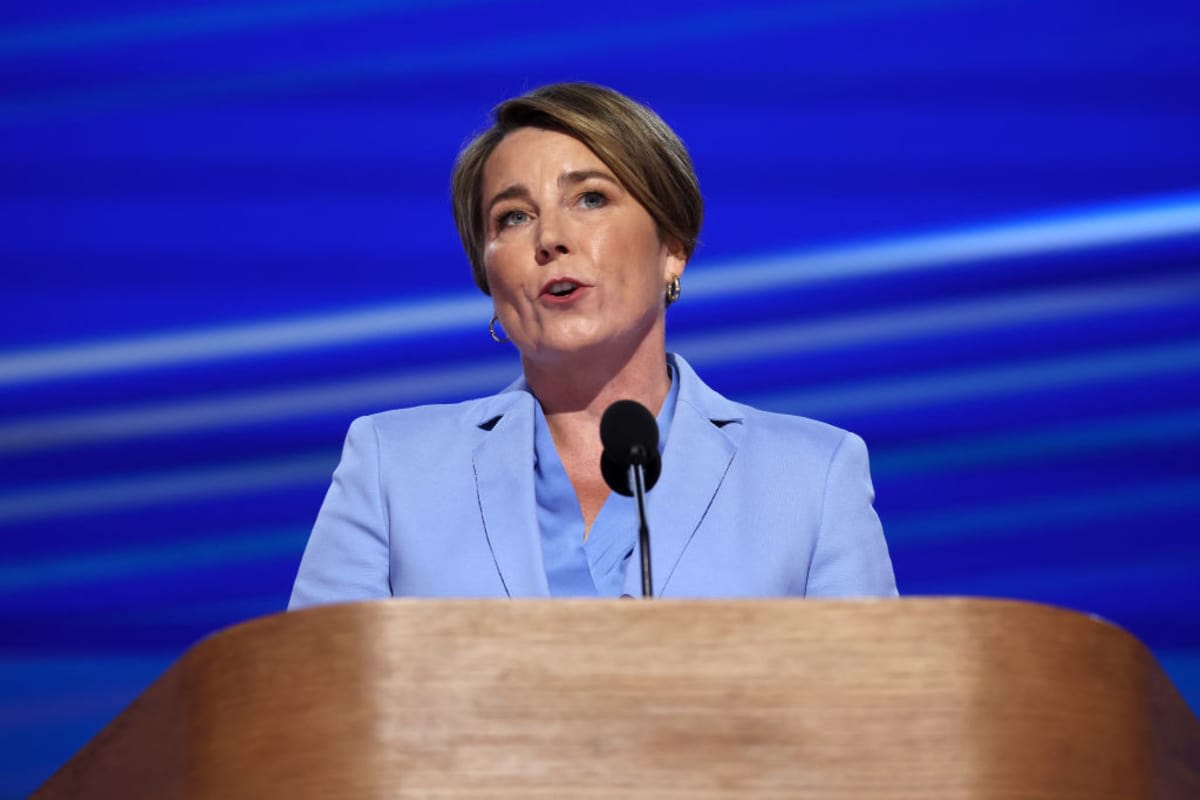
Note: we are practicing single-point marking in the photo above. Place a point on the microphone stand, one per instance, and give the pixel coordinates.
(637, 479)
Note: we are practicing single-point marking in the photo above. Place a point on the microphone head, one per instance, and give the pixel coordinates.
(617, 476)
(629, 434)
(627, 423)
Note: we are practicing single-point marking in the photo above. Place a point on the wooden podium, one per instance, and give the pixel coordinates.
(913, 698)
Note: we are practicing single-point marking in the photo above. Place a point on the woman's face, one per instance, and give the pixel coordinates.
(573, 260)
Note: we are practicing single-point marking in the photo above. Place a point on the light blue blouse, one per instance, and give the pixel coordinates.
(596, 567)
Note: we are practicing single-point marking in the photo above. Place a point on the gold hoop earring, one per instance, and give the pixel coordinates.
(492, 331)
(673, 289)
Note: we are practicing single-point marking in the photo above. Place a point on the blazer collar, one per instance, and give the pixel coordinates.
(704, 437)
(503, 462)
(714, 407)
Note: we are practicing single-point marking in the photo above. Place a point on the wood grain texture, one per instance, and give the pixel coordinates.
(910, 698)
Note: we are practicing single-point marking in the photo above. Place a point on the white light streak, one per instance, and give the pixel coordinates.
(484, 377)
(1147, 221)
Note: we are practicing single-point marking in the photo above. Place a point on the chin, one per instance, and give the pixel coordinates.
(574, 337)
(568, 348)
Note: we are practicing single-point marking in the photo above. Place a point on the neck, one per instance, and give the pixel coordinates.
(575, 391)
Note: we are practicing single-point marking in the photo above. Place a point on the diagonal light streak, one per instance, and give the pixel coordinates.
(1143, 221)
(1013, 446)
(482, 377)
(109, 494)
(139, 490)
(1073, 508)
(193, 22)
(956, 317)
(110, 564)
(1007, 379)
(541, 46)
(1079, 230)
(389, 391)
(411, 318)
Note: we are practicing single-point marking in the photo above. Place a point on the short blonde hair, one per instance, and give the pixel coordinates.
(646, 156)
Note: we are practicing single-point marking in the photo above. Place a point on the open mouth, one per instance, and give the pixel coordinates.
(561, 288)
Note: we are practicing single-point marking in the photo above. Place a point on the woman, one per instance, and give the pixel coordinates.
(579, 210)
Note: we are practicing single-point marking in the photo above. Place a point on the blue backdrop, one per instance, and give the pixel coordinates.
(968, 231)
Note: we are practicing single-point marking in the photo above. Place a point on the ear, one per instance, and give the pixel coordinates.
(676, 260)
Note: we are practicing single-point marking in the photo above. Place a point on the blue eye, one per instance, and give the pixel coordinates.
(511, 218)
(592, 199)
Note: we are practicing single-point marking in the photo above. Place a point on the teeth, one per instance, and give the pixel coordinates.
(561, 287)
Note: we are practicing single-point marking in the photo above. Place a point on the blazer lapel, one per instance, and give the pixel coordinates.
(700, 448)
(503, 462)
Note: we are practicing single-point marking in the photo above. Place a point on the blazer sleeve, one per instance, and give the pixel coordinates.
(347, 557)
(851, 556)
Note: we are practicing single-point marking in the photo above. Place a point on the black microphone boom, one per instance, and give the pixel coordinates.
(630, 464)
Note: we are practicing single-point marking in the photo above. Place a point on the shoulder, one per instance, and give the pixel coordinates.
(792, 430)
(441, 421)
(761, 429)
(785, 446)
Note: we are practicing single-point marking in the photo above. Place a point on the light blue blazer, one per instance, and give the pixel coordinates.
(438, 501)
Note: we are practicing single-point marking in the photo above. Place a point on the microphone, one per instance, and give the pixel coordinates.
(630, 464)
(630, 436)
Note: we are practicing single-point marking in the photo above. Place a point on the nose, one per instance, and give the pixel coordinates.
(551, 240)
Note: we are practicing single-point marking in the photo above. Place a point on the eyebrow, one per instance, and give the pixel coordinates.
(519, 190)
(579, 176)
